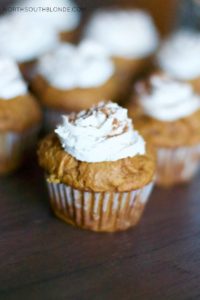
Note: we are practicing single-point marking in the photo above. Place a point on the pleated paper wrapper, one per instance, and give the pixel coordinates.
(177, 165)
(109, 211)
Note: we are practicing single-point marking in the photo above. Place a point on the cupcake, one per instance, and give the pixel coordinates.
(24, 40)
(99, 170)
(167, 113)
(179, 57)
(63, 16)
(73, 78)
(129, 35)
(19, 117)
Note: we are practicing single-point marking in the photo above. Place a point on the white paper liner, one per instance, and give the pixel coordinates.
(177, 165)
(13, 147)
(108, 211)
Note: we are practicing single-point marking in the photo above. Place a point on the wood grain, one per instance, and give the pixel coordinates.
(43, 258)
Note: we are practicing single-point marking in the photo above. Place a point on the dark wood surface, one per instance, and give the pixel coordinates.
(43, 258)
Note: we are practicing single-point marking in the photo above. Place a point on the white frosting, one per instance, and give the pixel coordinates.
(11, 83)
(62, 15)
(125, 33)
(167, 99)
(102, 133)
(23, 39)
(179, 55)
(83, 66)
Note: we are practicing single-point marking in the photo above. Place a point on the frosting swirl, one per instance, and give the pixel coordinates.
(102, 133)
(83, 66)
(124, 33)
(166, 99)
(179, 55)
(61, 15)
(11, 83)
(23, 39)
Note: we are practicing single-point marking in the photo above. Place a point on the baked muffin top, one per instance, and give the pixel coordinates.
(18, 109)
(166, 111)
(24, 39)
(179, 55)
(68, 67)
(127, 33)
(98, 150)
(75, 77)
(76, 99)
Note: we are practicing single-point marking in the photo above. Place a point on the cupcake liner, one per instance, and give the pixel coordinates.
(107, 211)
(177, 165)
(13, 147)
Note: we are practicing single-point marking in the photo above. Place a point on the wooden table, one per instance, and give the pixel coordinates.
(43, 258)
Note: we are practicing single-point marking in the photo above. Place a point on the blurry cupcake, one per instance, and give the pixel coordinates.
(99, 171)
(129, 35)
(167, 114)
(179, 57)
(24, 40)
(73, 78)
(63, 16)
(19, 117)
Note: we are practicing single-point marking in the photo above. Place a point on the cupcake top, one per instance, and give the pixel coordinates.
(102, 133)
(70, 67)
(98, 150)
(124, 33)
(19, 111)
(167, 99)
(166, 112)
(23, 39)
(179, 55)
(61, 15)
(11, 84)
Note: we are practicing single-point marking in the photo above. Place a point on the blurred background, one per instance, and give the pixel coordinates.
(166, 14)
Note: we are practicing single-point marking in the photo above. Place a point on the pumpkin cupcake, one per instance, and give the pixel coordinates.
(62, 16)
(99, 170)
(24, 40)
(129, 35)
(167, 113)
(73, 78)
(179, 57)
(19, 117)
